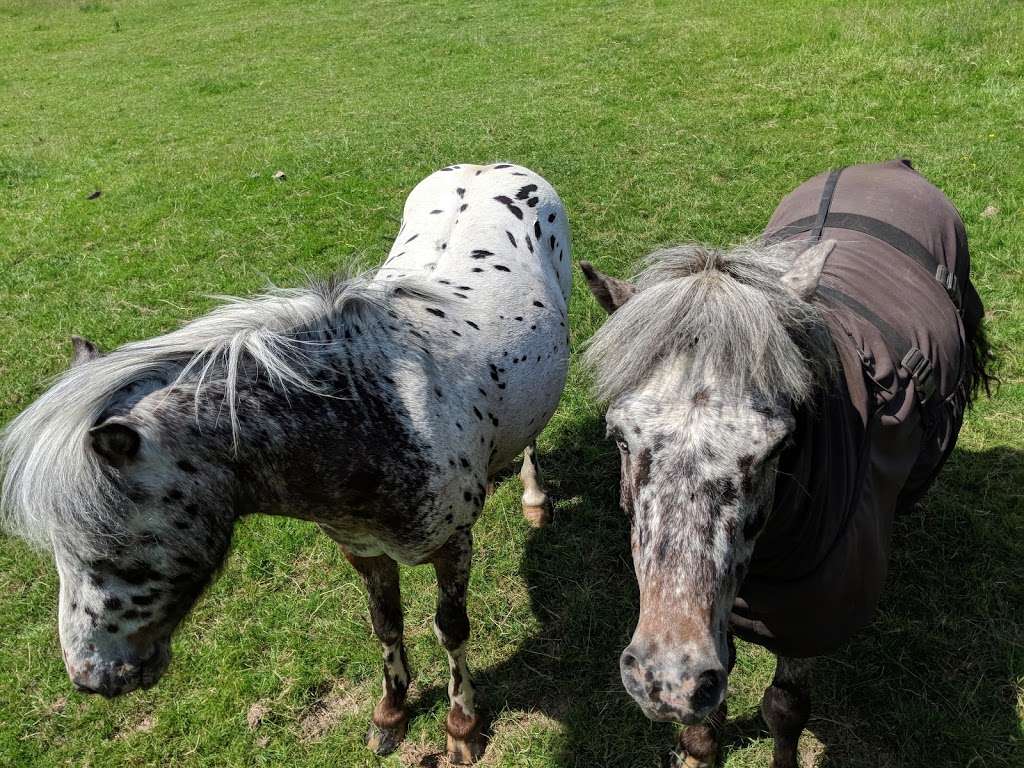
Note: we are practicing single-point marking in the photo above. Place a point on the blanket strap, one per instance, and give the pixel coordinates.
(912, 359)
(880, 230)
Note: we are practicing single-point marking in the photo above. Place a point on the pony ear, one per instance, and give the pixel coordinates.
(84, 351)
(116, 440)
(611, 293)
(802, 278)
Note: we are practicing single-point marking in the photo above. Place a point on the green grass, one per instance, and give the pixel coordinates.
(656, 122)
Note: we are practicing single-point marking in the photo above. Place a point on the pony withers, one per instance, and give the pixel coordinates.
(377, 408)
(775, 405)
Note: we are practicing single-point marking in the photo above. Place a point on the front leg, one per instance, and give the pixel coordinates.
(390, 717)
(451, 625)
(698, 744)
(786, 706)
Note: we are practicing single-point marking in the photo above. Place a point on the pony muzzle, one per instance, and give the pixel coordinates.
(673, 686)
(115, 677)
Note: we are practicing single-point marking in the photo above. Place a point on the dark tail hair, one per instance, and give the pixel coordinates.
(980, 363)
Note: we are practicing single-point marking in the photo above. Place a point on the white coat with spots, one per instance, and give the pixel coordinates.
(496, 240)
(378, 408)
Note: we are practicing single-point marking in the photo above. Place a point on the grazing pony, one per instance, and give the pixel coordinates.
(377, 408)
(774, 406)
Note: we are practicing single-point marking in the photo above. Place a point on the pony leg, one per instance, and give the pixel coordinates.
(390, 717)
(536, 505)
(451, 625)
(786, 706)
(698, 744)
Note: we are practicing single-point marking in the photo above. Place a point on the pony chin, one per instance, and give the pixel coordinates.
(115, 675)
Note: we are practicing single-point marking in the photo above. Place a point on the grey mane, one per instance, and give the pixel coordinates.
(52, 480)
(725, 308)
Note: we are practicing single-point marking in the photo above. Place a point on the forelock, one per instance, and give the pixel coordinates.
(727, 310)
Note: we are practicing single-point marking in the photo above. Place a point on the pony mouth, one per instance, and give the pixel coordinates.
(662, 714)
(152, 668)
(117, 679)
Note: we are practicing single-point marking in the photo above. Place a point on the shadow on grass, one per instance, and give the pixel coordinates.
(583, 592)
(930, 683)
(933, 682)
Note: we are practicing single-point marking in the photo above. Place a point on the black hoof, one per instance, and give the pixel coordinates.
(384, 741)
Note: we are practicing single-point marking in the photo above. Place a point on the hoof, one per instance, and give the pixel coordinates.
(676, 760)
(384, 741)
(466, 740)
(538, 517)
(466, 751)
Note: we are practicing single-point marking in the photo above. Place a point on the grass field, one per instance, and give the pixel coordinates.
(656, 122)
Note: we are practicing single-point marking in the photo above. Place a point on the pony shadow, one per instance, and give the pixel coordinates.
(583, 594)
(930, 683)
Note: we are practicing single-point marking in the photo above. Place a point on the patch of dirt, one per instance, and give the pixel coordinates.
(255, 715)
(320, 716)
(989, 212)
(811, 750)
(144, 724)
(58, 705)
(422, 754)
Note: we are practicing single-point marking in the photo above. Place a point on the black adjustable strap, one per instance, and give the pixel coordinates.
(911, 358)
(825, 203)
(887, 233)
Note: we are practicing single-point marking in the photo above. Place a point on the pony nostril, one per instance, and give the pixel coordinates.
(628, 659)
(709, 686)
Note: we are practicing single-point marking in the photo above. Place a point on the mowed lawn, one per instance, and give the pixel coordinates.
(656, 122)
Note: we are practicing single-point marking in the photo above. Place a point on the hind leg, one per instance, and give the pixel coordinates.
(451, 625)
(698, 744)
(786, 707)
(536, 505)
(390, 717)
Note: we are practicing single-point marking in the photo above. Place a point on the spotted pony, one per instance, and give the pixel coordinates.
(376, 407)
(774, 406)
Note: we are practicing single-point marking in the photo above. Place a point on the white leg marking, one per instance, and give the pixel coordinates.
(533, 488)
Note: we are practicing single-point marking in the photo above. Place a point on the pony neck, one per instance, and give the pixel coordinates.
(818, 486)
(341, 450)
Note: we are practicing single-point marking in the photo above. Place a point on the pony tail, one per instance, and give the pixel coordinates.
(981, 360)
(980, 376)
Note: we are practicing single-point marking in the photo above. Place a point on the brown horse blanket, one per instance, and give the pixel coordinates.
(902, 312)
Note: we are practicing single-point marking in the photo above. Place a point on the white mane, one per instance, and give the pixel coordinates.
(52, 480)
(728, 307)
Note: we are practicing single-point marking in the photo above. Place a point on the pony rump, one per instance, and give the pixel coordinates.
(728, 308)
(53, 481)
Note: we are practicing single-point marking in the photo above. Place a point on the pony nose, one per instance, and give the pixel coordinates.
(104, 685)
(708, 691)
(669, 690)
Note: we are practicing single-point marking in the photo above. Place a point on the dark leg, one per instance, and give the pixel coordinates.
(786, 706)
(451, 625)
(698, 744)
(390, 718)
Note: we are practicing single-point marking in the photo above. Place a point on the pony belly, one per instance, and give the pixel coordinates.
(533, 389)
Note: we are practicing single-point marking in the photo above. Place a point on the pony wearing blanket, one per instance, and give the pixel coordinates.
(378, 408)
(774, 406)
